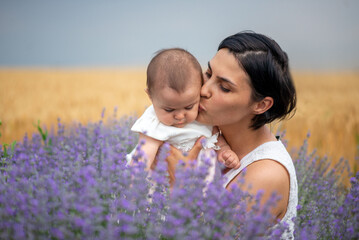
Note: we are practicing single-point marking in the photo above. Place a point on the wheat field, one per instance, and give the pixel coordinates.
(327, 104)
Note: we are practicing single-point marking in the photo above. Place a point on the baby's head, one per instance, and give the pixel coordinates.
(174, 80)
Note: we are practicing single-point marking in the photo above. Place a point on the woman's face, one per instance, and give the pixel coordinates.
(226, 93)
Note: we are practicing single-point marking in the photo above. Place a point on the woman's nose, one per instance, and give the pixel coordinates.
(205, 90)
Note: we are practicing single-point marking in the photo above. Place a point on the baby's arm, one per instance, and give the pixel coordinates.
(225, 154)
(149, 149)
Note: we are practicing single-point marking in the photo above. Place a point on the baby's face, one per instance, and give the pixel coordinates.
(176, 109)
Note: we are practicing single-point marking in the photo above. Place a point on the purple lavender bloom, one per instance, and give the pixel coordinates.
(76, 185)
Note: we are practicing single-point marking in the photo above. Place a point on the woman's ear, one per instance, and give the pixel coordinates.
(263, 105)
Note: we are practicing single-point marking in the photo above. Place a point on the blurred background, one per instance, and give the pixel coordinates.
(70, 59)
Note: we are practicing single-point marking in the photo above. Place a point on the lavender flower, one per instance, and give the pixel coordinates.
(75, 184)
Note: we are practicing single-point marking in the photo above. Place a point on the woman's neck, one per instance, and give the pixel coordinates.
(244, 140)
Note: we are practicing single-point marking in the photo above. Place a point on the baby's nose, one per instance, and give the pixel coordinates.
(179, 115)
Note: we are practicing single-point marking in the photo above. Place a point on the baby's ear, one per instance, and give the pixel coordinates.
(148, 93)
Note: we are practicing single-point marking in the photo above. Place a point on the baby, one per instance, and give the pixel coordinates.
(174, 80)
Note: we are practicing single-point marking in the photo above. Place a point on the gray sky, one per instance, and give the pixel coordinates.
(316, 34)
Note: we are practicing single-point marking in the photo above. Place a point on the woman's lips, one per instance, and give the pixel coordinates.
(201, 108)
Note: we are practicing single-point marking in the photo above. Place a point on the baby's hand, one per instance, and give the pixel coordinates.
(229, 159)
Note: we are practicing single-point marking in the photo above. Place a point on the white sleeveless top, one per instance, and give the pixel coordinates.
(276, 151)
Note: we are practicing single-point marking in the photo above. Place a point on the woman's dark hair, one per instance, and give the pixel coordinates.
(267, 67)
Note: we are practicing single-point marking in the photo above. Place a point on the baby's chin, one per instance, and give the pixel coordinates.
(179, 125)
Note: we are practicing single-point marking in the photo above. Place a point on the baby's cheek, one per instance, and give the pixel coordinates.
(165, 120)
(193, 116)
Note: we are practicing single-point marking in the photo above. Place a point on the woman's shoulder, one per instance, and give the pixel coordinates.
(269, 163)
(267, 172)
(270, 177)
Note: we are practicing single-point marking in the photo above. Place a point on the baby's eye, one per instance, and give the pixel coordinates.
(168, 110)
(189, 107)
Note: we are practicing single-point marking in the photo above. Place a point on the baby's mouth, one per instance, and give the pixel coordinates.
(179, 124)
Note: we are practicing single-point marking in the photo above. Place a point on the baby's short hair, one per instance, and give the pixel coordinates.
(172, 67)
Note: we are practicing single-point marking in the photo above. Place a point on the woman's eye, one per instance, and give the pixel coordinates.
(169, 110)
(224, 89)
(208, 74)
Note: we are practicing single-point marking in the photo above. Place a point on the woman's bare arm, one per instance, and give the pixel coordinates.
(269, 176)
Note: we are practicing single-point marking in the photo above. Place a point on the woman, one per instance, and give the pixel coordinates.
(247, 85)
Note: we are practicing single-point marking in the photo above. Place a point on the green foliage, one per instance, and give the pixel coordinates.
(44, 136)
(6, 151)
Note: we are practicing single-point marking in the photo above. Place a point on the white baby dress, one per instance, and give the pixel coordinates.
(182, 138)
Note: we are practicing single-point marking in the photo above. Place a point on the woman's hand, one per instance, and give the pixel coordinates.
(175, 155)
